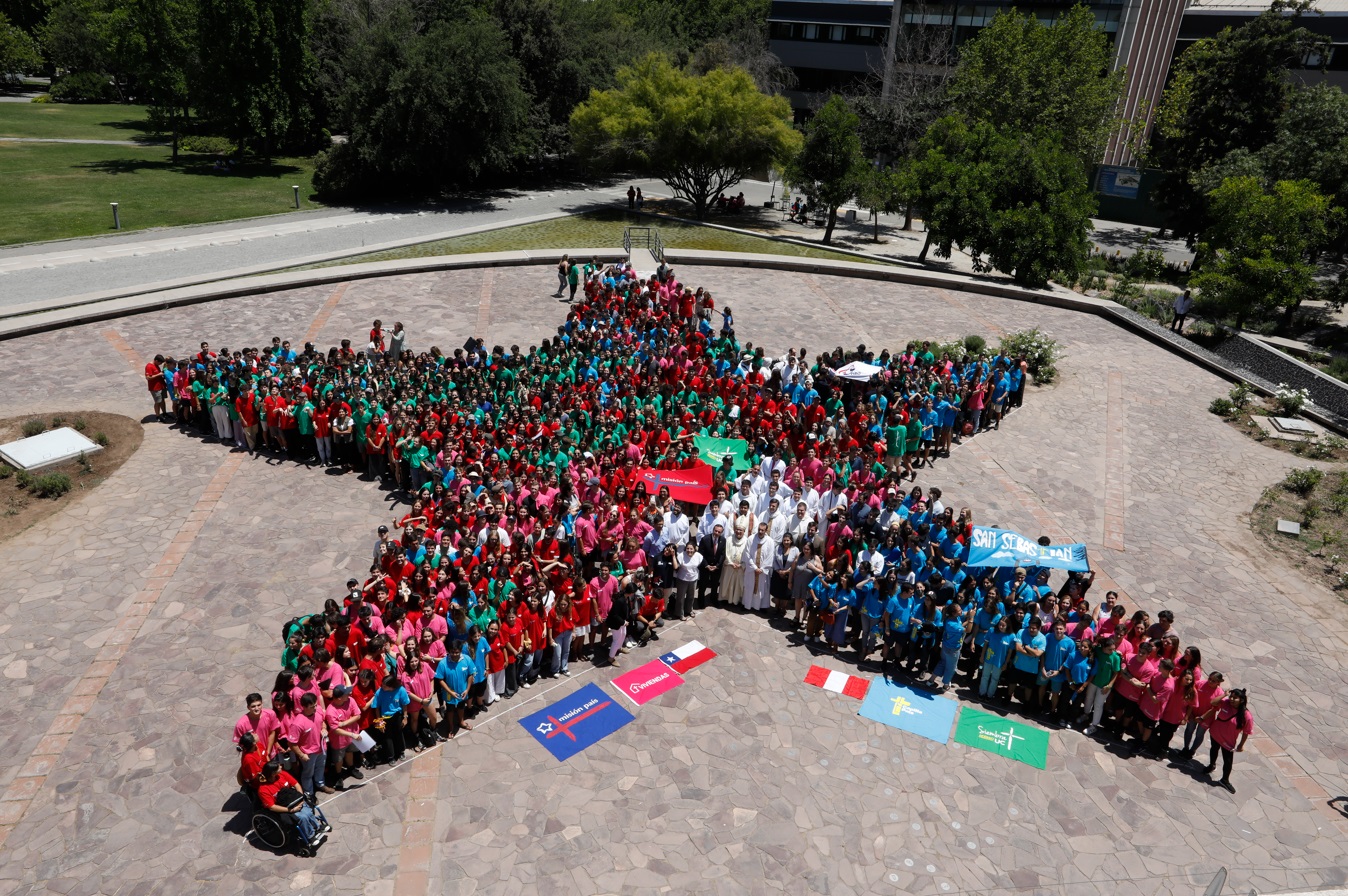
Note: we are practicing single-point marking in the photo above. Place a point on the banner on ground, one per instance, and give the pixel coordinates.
(713, 451)
(576, 722)
(838, 682)
(644, 683)
(1002, 547)
(918, 712)
(689, 656)
(1005, 737)
(692, 485)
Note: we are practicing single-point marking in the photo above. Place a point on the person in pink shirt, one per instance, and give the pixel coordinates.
(1152, 701)
(419, 727)
(305, 731)
(1230, 723)
(1136, 673)
(328, 674)
(1208, 692)
(306, 683)
(1183, 698)
(342, 717)
(261, 723)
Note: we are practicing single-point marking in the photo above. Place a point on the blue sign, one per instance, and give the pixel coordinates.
(1002, 547)
(576, 721)
(919, 712)
(1115, 181)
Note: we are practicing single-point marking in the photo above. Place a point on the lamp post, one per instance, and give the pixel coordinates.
(116, 218)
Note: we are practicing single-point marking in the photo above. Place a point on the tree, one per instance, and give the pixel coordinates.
(1226, 92)
(162, 45)
(435, 110)
(18, 52)
(1261, 247)
(700, 134)
(1022, 199)
(830, 166)
(1021, 75)
(257, 70)
(746, 48)
(884, 190)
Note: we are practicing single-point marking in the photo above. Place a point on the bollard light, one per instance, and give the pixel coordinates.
(116, 219)
(296, 188)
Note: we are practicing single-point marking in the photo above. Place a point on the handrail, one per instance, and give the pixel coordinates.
(646, 238)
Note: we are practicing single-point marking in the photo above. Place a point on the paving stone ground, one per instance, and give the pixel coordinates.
(137, 618)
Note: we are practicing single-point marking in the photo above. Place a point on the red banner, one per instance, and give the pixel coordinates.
(692, 485)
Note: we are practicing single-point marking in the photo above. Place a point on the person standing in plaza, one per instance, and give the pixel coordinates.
(712, 549)
(686, 564)
(732, 576)
(563, 268)
(1230, 723)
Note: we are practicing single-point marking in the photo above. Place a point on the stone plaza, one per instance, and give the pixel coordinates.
(138, 618)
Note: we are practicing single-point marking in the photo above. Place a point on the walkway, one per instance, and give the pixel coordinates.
(741, 781)
(91, 142)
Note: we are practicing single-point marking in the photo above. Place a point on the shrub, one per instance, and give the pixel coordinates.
(1240, 395)
(34, 427)
(1289, 401)
(220, 146)
(974, 344)
(84, 87)
(6, 471)
(102, 439)
(1222, 407)
(41, 98)
(52, 485)
(1040, 351)
(1309, 514)
(23, 479)
(80, 424)
(58, 422)
(1302, 482)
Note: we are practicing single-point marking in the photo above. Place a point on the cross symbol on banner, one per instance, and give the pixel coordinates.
(565, 727)
(902, 703)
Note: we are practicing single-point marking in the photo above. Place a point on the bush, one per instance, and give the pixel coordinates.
(220, 146)
(975, 345)
(337, 173)
(1309, 514)
(58, 422)
(23, 479)
(41, 98)
(52, 485)
(1240, 395)
(1222, 407)
(34, 427)
(6, 471)
(101, 439)
(1040, 352)
(80, 424)
(1289, 401)
(84, 87)
(1302, 482)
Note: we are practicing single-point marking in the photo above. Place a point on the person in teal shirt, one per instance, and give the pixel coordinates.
(454, 678)
(1000, 642)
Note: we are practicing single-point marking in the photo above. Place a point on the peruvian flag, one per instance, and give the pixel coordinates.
(838, 682)
(689, 656)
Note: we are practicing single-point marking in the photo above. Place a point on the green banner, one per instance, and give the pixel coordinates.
(712, 450)
(1004, 737)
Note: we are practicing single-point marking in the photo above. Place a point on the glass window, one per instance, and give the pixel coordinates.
(837, 32)
(812, 32)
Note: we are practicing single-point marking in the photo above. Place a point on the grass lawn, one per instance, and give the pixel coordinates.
(55, 191)
(72, 122)
(595, 230)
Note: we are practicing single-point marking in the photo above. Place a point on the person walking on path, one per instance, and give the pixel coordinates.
(563, 268)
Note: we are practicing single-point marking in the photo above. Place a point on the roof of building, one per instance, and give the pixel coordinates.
(1328, 7)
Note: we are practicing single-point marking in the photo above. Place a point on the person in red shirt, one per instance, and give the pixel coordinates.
(154, 381)
(253, 756)
(312, 827)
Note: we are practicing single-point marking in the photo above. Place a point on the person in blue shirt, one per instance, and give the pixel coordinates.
(898, 613)
(931, 421)
(996, 653)
(1058, 652)
(1001, 388)
(984, 623)
(1018, 591)
(821, 594)
(388, 703)
(1078, 676)
(954, 627)
(1017, 395)
(1029, 648)
(477, 650)
(840, 604)
(454, 678)
(948, 407)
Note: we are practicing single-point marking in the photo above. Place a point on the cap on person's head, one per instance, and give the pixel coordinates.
(383, 530)
(341, 690)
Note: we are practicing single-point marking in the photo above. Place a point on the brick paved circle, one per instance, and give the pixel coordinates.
(137, 619)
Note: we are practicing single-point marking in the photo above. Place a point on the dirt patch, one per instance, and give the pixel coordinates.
(1317, 499)
(1328, 447)
(21, 507)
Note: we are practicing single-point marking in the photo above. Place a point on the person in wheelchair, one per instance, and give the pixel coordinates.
(279, 794)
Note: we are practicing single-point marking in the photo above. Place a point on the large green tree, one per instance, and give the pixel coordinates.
(18, 52)
(700, 134)
(257, 71)
(1226, 93)
(162, 44)
(1022, 199)
(829, 167)
(1021, 75)
(1261, 247)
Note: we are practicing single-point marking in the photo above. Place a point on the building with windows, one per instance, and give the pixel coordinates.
(838, 45)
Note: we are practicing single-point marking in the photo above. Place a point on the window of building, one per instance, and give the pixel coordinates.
(837, 32)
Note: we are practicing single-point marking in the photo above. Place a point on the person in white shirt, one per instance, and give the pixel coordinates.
(775, 519)
(937, 508)
(716, 513)
(686, 562)
(770, 489)
(758, 557)
(798, 524)
(833, 499)
(676, 529)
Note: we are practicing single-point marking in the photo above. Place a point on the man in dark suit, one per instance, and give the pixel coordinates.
(712, 549)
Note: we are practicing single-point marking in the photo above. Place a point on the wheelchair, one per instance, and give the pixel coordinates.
(276, 831)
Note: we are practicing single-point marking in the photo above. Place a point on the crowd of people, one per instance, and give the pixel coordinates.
(532, 541)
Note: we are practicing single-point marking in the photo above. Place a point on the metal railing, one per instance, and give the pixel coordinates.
(644, 238)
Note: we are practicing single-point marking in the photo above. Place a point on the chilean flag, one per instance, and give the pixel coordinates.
(838, 682)
(689, 656)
